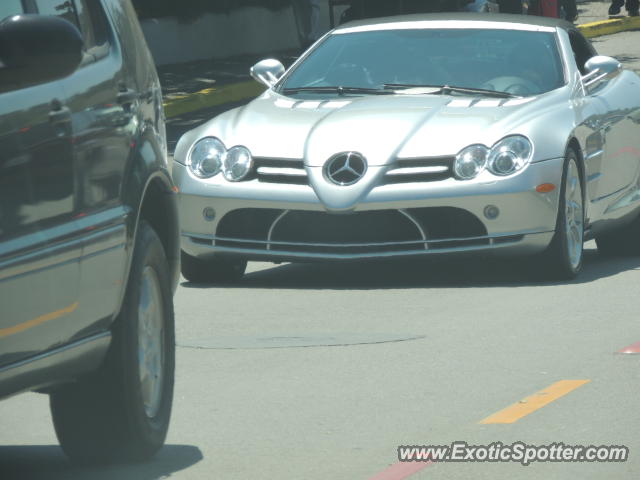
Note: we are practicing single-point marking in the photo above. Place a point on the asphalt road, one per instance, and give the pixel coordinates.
(321, 371)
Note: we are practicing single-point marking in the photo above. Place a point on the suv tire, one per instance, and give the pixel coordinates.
(121, 412)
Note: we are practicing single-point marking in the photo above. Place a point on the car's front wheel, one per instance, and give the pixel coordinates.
(121, 412)
(563, 258)
(212, 270)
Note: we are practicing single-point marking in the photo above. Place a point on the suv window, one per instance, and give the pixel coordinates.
(10, 7)
(93, 23)
(60, 8)
(87, 16)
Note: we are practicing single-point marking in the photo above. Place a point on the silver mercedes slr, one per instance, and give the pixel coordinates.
(419, 135)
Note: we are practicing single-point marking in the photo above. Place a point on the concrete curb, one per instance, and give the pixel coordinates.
(235, 92)
(210, 97)
(607, 27)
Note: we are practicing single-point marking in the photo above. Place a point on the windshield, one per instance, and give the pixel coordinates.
(511, 61)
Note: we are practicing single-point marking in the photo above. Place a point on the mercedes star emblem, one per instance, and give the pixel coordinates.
(346, 168)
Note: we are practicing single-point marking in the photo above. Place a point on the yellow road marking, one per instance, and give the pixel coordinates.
(21, 327)
(534, 402)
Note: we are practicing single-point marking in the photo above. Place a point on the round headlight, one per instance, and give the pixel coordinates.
(206, 157)
(237, 164)
(510, 155)
(470, 161)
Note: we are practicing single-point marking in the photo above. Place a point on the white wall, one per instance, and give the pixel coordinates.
(250, 30)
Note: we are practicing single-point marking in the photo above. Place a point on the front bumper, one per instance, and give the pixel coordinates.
(286, 222)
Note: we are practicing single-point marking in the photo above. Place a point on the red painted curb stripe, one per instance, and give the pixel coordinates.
(401, 470)
(634, 348)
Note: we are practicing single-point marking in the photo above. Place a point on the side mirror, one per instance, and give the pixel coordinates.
(600, 69)
(267, 71)
(35, 49)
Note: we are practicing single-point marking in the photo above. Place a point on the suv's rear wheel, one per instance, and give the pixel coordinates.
(121, 413)
(212, 270)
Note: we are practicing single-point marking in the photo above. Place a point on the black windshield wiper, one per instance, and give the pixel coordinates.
(448, 89)
(403, 86)
(338, 89)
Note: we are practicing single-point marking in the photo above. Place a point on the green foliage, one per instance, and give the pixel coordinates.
(191, 9)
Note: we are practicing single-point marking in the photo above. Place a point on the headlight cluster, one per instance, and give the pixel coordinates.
(209, 157)
(508, 156)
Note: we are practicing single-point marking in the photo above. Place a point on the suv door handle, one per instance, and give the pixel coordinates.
(127, 96)
(59, 114)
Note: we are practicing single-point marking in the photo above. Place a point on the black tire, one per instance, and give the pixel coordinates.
(621, 242)
(103, 417)
(555, 262)
(212, 270)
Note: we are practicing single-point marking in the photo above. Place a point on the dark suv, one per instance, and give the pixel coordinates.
(89, 250)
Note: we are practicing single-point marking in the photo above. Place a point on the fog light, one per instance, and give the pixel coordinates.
(209, 214)
(491, 212)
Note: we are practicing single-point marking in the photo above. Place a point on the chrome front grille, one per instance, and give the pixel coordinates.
(426, 169)
(280, 170)
(404, 170)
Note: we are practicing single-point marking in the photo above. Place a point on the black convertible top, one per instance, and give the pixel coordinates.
(465, 16)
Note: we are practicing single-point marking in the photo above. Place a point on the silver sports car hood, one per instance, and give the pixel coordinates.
(381, 128)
